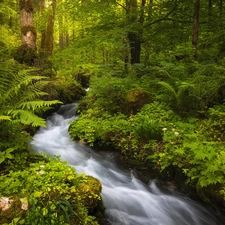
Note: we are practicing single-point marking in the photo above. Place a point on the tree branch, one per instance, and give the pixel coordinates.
(121, 5)
(164, 18)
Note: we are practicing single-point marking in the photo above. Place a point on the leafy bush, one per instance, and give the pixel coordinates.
(92, 128)
(54, 192)
(109, 92)
(134, 136)
(14, 148)
(215, 126)
(188, 88)
(150, 121)
(186, 148)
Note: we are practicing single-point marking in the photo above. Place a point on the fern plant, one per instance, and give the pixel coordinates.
(196, 91)
(20, 104)
(20, 93)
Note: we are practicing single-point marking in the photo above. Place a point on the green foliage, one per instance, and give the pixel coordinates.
(149, 122)
(20, 98)
(54, 192)
(109, 92)
(187, 149)
(91, 128)
(195, 91)
(13, 145)
(215, 127)
(19, 92)
(134, 136)
(54, 212)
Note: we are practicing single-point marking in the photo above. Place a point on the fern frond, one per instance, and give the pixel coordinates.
(20, 89)
(18, 80)
(33, 105)
(183, 87)
(29, 96)
(2, 117)
(167, 74)
(169, 88)
(27, 117)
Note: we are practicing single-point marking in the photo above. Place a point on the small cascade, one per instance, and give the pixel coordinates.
(128, 201)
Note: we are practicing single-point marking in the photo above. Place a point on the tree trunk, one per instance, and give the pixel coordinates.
(67, 39)
(135, 35)
(26, 53)
(104, 56)
(61, 21)
(149, 18)
(221, 10)
(61, 41)
(210, 14)
(49, 35)
(26, 24)
(43, 32)
(135, 47)
(195, 28)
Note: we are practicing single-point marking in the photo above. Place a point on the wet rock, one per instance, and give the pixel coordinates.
(90, 191)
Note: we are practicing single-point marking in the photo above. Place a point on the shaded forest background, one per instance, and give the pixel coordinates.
(156, 73)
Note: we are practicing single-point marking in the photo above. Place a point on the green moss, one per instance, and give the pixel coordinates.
(90, 192)
(25, 55)
(68, 91)
(26, 5)
(136, 99)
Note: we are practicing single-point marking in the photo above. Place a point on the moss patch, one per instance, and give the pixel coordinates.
(136, 99)
(90, 191)
(68, 91)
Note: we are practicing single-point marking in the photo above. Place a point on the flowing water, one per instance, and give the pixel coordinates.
(127, 200)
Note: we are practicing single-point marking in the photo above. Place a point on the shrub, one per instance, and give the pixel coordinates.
(188, 150)
(54, 192)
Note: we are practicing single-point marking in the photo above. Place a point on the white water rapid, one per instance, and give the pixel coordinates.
(127, 200)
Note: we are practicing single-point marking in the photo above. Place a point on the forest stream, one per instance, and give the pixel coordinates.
(127, 200)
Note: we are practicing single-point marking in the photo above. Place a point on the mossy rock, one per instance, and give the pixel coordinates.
(14, 210)
(136, 99)
(90, 191)
(66, 92)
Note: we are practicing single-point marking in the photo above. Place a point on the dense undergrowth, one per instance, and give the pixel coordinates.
(168, 115)
(167, 112)
(35, 189)
(54, 194)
